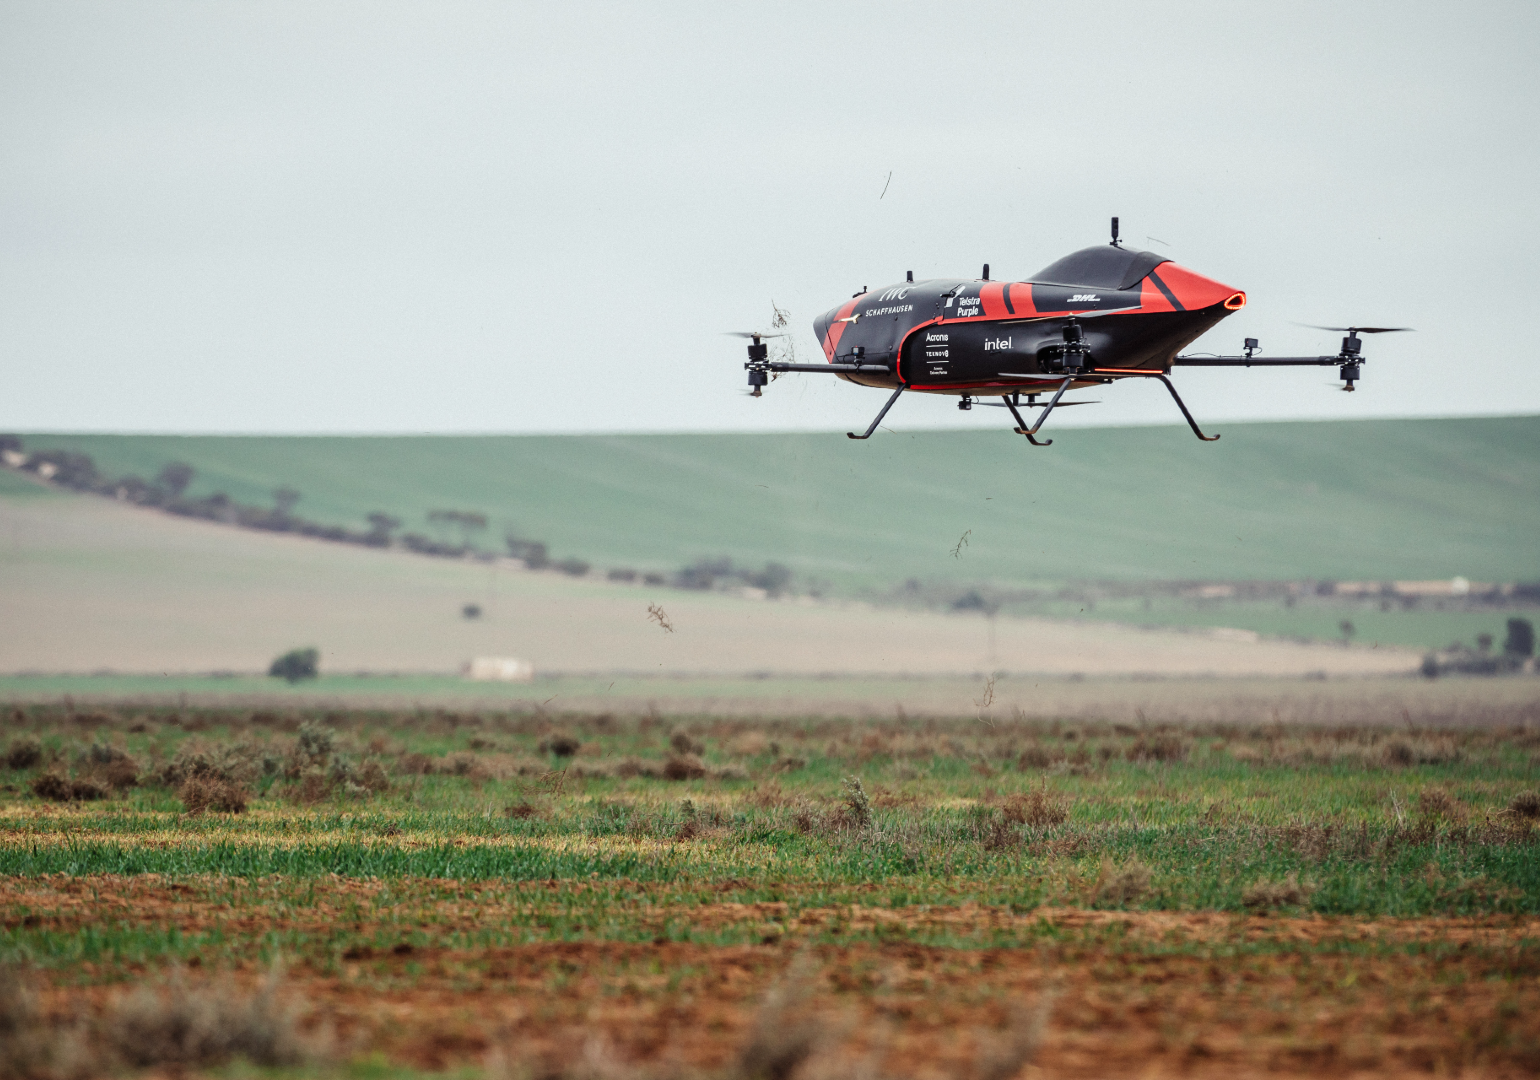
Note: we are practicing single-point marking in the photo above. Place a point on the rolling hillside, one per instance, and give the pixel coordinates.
(1349, 500)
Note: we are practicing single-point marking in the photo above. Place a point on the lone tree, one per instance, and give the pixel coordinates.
(175, 477)
(1520, 641)
(297, 664)
(381, 525)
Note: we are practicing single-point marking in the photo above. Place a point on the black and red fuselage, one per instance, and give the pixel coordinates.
(1136, 310)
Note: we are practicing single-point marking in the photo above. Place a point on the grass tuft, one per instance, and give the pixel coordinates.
(1266, 894)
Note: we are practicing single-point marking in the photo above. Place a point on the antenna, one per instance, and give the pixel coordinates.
(986, 271)
(1114, 232)
(911, 275)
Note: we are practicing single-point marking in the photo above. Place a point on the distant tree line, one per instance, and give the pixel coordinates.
(453, 532)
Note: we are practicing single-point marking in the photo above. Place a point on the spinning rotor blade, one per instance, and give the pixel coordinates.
(749, 334)
(1358, 329)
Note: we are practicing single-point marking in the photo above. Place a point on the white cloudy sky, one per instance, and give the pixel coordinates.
(520, 217)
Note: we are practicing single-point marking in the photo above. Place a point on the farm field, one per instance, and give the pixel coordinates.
(521, 892)
(1280, 501)
(89, 584)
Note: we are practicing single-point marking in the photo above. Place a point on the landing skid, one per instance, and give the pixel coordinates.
(1011, 401)
(1022, 429)
(880, 415)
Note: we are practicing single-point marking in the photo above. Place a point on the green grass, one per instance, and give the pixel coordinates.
(1363, 500)
(1226, 807)
(489, 875)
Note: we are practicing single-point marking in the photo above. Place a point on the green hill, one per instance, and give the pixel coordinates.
(1379, 499)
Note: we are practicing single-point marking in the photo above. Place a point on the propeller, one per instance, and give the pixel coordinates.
(1358, 329)
(755, 334)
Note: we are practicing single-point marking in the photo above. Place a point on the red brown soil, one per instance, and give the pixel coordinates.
(1152, 994)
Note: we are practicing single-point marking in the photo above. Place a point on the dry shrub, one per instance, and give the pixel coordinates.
(1070, 844)
(521, 810)
(630, 767)
(1036, 808)
(170, 1026)
(312, 787)
(57, 787)
(857, 805)
(372, 777)
(1265, 894)
(1526, 804)
(1039, 757)
(563, 746)
(460, 763)
(238, 764)
(1124, 884)
(684, 767)
(1248, 755)
(806, 819)
(688, 830)
(684, 746)
(749, 744)
(789, 764)
(24, 752)
(177, 1025)
(210, 793)
(1416, 750)
(414, 764)
(1159, 748)
(1436, 804)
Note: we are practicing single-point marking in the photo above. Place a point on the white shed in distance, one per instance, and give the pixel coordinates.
(499, 669)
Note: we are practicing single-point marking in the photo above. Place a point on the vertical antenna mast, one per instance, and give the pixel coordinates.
(1114, 232)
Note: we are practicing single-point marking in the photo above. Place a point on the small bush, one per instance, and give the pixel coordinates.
(1421, 751)
(1526, 804)
(235, 764)
(1436, 804)
(1036, 808)
(683, 744)
(177, 1025)
(1039, 757)
(372, 777)
(856, 802)
(211, 793)
(1266, 894)
(563, 746)
(56, 787)
(316, 741)
(1124, 884)
(521, 810)
(1159, 748)
(24, 753)
(684, 767)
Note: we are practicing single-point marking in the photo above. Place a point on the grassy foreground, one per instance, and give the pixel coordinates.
(933, 897)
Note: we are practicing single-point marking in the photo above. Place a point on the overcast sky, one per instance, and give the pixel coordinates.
(520, 217)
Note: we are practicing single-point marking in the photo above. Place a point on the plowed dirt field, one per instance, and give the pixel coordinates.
(1123, 993)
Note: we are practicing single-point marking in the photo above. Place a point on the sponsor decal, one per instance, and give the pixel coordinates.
(997, 344)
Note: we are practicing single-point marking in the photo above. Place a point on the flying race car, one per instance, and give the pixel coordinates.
(1093, 318)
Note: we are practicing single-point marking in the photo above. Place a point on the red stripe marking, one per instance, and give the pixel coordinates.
(836, 329)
